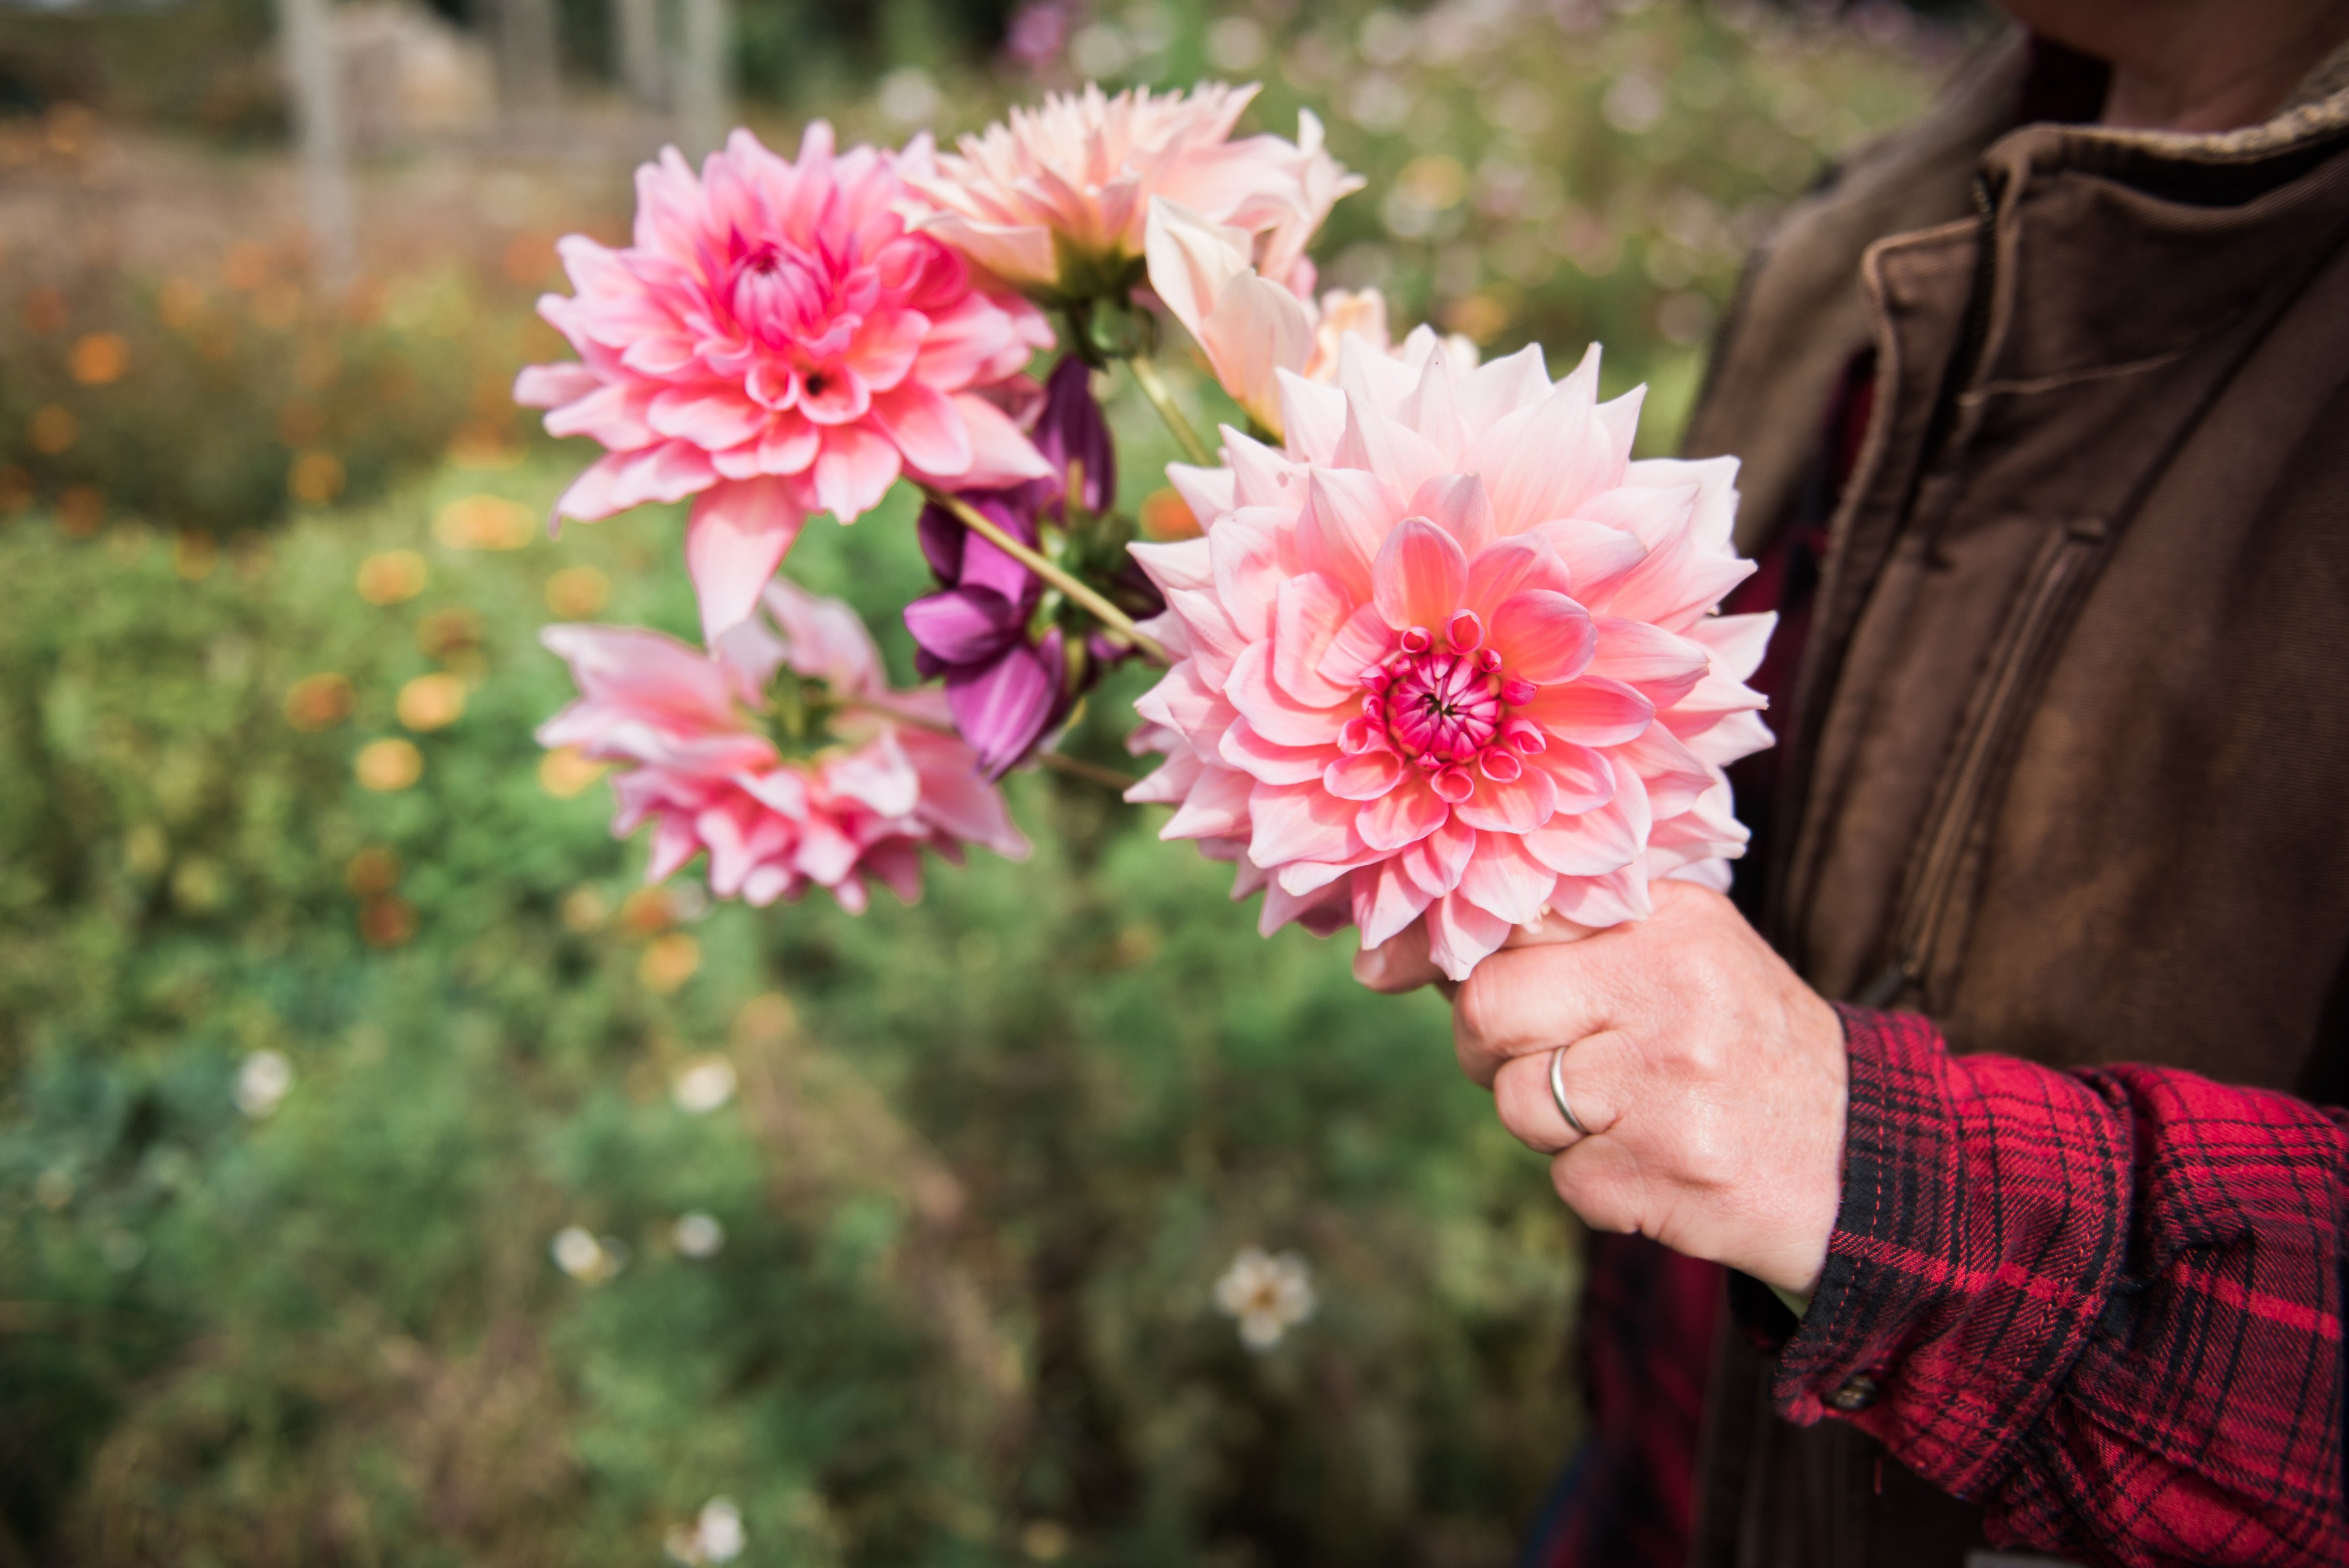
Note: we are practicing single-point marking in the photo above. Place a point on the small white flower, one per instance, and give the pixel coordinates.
(262, 1083)
(721, 1529)
(699, 1235)
(716, 1536)
(1269, 1295)
(580, 1253)
(705, 1083)
(909, 96)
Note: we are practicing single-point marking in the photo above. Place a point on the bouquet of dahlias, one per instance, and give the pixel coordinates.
(1441, 651)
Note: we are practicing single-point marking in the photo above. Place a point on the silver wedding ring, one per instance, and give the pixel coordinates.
(1557, 1092)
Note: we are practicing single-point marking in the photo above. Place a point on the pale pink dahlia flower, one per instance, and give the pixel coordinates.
(1452, 656)
(1054, 200)
(1250, 328)
(784, 753)
(778, 342)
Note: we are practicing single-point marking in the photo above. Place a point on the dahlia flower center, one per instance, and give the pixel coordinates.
(800, 711)
(1443, 703)
(777, 297)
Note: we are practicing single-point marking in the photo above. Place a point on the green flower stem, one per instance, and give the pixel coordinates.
(1121, 625)
(1146, 377)
(1077, 767)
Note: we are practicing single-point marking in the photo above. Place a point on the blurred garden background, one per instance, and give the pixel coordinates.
(387, 1176)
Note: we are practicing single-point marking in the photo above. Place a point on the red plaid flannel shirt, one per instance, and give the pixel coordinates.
(2103, 1303)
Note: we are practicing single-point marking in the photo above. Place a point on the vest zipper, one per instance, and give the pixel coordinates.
(2013, 677)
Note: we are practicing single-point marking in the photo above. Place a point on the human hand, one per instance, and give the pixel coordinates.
(1711, 1080)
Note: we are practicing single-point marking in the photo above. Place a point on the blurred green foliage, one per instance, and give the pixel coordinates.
(303, 1084)
(217, 407)
(988, 1158)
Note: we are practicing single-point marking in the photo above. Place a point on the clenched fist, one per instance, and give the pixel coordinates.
(1711, 1080)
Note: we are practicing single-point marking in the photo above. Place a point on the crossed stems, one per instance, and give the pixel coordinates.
(1119, 625)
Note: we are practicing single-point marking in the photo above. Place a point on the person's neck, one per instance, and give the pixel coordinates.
(2219, 67)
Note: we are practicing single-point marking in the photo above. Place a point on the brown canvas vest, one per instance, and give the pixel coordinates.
(2068, 766)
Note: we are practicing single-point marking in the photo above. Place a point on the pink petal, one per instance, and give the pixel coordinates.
(1261, 476)
(1362, 641)
(1388, 448)
(737, 535)
(1602, 902)
(1300, 822)
(1590, 712)
(1520, 806)
(1246, 550)
(885, 347)
(1207, 491)
(1184, 565)
(1256, 328)
(1402, 816)
(826, 640)
(1438, 861)
(1430, 409)
(1420, 576)
(1726, 738)
(712, 418)
(1543, 636)
(1322, 913)
(928, 427)
(1188, 707)
(999, 454)
(1307, 615)
(1385, 901)
(1674, 775)
(1584, 777)
(552, 386)
(1169, 782)
(855, 469)
(1218, 804)
(1215, 643)
(876, 775)
(1277, 717)
(1346, 518)
(1313, 419)
(1250, 752)
(1595, 555)
(614, 417)
(1456, 502)
(1676, 585)
(1505, 881)
(1364, 776)
(1595, 842)
(1737, 641)
(1460, 935)
(1665, 668)
(1512, 566)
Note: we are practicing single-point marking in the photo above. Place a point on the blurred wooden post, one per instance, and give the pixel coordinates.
(705, 85)
(639, 62)
(314, 77)
(528, 67)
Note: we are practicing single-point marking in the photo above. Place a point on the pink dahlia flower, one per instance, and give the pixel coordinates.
(1250, 328)
(783, 755)
(1054, 200)
(1452, 656)
(778, 342)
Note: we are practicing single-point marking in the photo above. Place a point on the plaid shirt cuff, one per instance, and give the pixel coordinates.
(2105, 1304)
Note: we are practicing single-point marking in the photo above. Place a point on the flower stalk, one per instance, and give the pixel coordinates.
(1162, 398)
(1119, 624)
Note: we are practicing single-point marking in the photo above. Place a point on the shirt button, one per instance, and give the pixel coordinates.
(1857, 1393)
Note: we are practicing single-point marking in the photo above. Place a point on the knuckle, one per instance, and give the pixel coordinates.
(1475, 1011)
